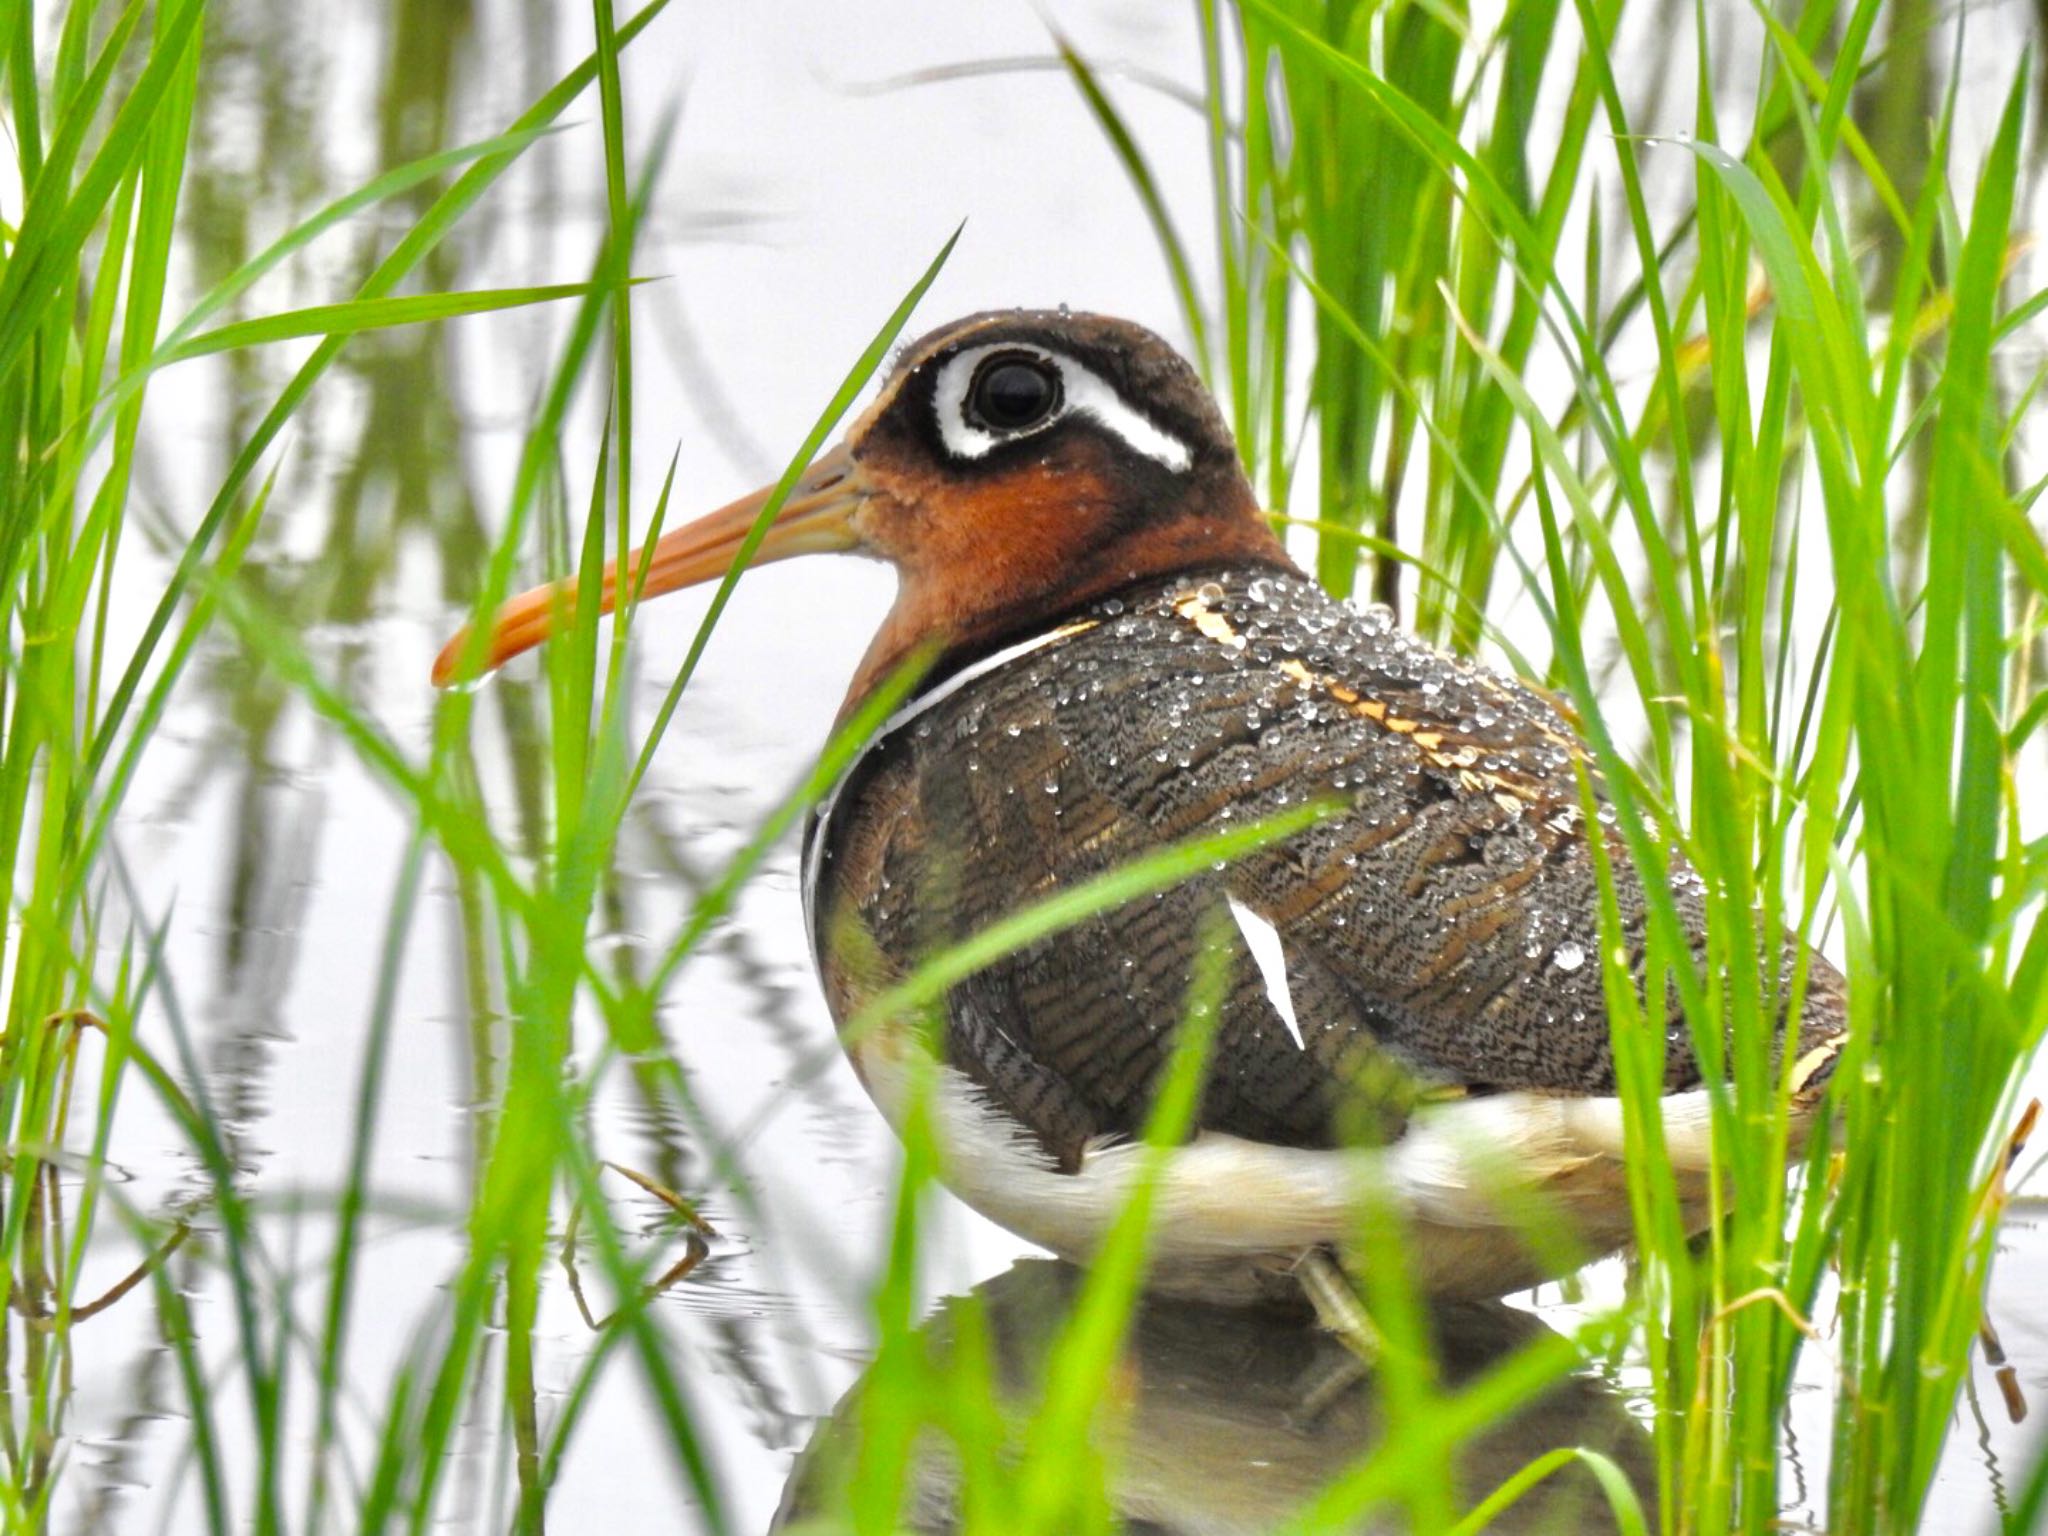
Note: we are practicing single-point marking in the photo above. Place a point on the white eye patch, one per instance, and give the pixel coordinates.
(1082, 392)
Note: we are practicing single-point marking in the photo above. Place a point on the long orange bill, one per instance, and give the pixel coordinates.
(816, 519)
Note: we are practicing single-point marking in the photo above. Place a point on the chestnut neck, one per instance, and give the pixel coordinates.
(965, 613)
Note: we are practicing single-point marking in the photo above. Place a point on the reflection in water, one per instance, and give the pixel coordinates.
(377, 468)
(1231, 1420)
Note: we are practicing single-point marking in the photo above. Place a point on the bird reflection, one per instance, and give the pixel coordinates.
(1235, 1419)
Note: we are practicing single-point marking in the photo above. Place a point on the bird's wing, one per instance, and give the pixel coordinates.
(1437, 935)
(1449, 911)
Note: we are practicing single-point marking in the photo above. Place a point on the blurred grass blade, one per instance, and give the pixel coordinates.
(336, 320)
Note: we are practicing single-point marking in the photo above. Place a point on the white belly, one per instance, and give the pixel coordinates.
(1473, 1178)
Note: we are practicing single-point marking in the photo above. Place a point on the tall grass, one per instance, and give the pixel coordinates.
(1770, 530)
(101, 113)
(1775, 520)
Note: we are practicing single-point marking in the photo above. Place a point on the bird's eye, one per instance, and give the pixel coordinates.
(1012, 392)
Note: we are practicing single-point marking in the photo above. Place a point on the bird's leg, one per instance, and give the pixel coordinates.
(1338, 1309)
(696, 1245)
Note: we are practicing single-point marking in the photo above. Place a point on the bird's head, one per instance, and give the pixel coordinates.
(1014, 466)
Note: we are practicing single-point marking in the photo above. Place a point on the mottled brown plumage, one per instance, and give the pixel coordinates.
(1127, 659)
(1441, 933)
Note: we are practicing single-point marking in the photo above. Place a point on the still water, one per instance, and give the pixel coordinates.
(800, 201)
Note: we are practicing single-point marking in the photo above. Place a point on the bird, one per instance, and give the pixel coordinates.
(1123, 657)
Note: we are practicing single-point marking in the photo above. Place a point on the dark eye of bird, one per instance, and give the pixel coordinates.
(1014, 392)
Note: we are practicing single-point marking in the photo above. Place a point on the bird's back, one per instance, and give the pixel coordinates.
(1437, 937)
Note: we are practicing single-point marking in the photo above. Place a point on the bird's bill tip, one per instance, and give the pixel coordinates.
(815, 518)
